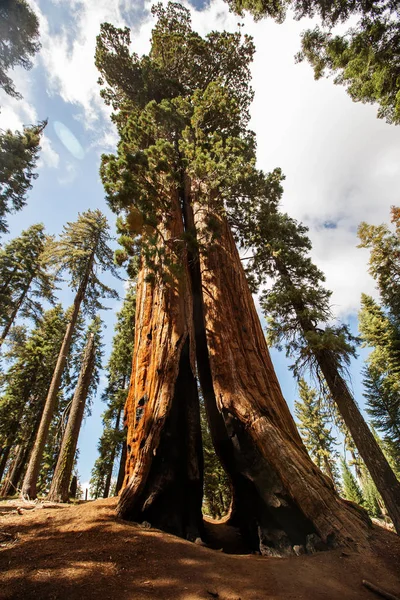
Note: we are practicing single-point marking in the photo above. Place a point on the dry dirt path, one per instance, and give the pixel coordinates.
(83, 552)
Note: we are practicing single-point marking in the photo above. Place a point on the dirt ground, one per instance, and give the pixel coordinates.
(84, 552)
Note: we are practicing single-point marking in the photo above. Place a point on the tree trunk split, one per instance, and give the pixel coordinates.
(280, 498)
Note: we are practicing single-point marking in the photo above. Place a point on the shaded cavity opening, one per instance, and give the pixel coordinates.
(171, 498)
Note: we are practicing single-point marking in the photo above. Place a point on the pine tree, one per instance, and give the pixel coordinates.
(25, 278)
(185, 156)
(298, 313)
(19, 33)
(86, 385)
(25, 386)
(19, 153)
(83, 251)
(384, 262)
(363, 58)
(118, 369)
(317, 437)
(351, 489)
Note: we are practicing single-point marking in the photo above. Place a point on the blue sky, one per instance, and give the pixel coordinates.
(342, 164)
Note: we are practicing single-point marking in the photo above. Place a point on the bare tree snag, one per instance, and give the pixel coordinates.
(292, 499)
(163, 476)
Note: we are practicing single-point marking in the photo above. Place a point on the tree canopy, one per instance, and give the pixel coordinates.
(365, 59)
(19, 35)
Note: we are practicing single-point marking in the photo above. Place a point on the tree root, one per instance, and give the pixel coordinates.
(379, 591)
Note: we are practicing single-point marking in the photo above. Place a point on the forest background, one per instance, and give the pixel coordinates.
(341, 163)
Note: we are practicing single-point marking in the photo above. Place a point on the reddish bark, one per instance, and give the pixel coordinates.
(163, 475)
(292, 497)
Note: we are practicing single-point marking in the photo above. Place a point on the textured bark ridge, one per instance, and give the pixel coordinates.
(163, 478)
(281, 499)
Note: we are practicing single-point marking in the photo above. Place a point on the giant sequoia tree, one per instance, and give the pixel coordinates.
(185, 155)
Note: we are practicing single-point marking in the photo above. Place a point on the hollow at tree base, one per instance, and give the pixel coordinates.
(85, 551)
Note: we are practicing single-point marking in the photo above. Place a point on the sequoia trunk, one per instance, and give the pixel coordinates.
(163, 475)
(282, 497)
(59, 490)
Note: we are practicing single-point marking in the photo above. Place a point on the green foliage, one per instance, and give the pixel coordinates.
(351, 489)
(19, 35)
(182, 115)
(118, 374)
(364, 58)
(384, 262)
(296, 305)
(24, 386)
(313, 418)
(83, 251)
(372, 498)
(25, 278)
(18, 157)
(380, 329)
(217, 489)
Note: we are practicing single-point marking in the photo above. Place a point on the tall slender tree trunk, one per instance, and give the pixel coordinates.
(29, 489)
(12, 482)
(107, 484)
(59, 489)
(163, 481)
(121, 470)
(385, 480)
(5, 453)
(283, 497)
(379, 468)
(9, 279)
(8, 487)
(15, 312)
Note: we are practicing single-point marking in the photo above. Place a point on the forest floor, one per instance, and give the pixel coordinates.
(83, 552)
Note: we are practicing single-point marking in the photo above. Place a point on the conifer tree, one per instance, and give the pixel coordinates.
(25, 386)
(186, 158)
(86, 386)
(83, 251)
(384, 261)
(19, 153)
(351, 489)
(26, 280)
(298, 313)
(372, 498)
(317, 436)
(364, 58)
(217, 488)
(19, 33)
(118, 369)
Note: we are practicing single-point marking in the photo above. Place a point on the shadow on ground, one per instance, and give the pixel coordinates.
(83, 552)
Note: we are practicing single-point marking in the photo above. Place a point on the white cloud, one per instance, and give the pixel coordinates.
(69, 175)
